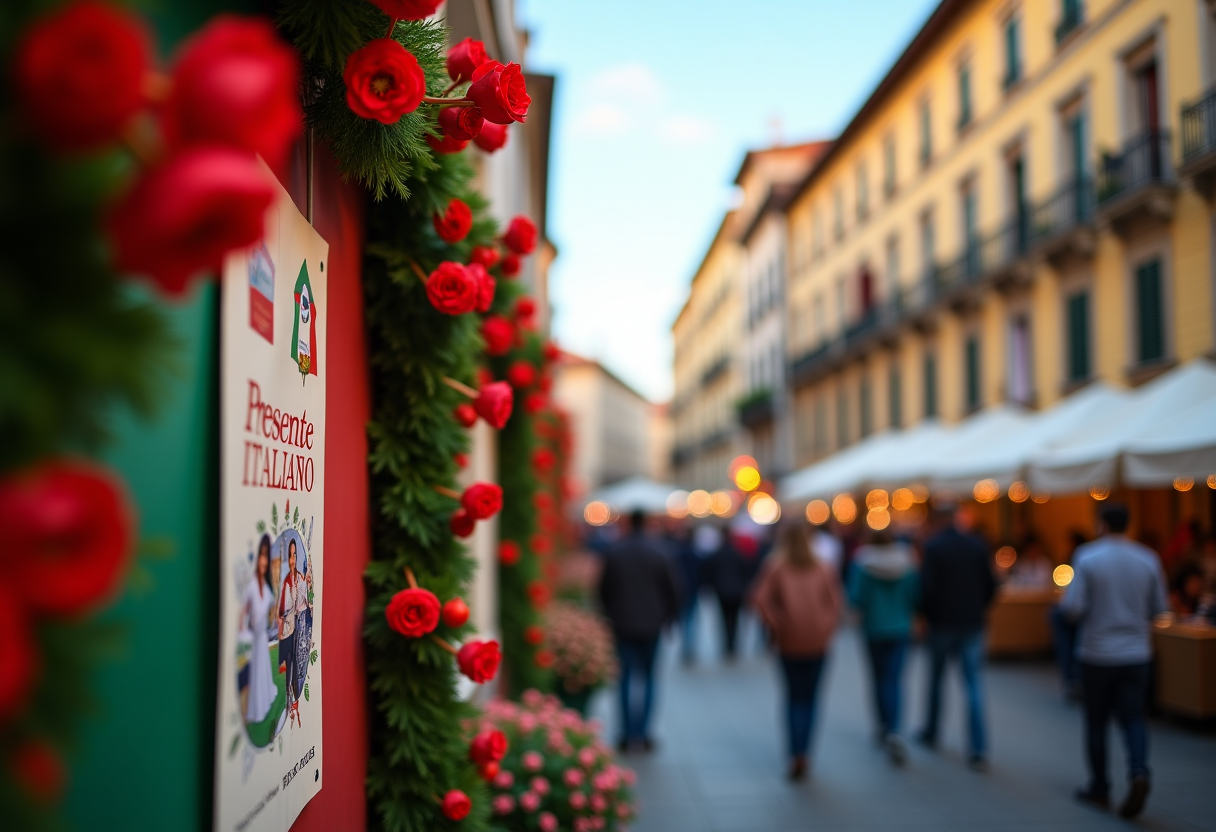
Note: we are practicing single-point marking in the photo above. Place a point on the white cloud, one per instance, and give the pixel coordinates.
(601, 120)
(635, 83)
(686, 129)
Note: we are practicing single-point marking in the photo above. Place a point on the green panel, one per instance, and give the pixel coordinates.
(1013, 62)
(842, 418)
(964, 96)
(1149, 311)
(973, 373)
(930, 385)
(1078, 337)
(894, 398)
(145, 762)
(865, 406)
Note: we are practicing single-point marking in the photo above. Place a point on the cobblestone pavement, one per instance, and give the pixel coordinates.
(719, 765)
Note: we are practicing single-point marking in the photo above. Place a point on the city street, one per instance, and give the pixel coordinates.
(720, 765)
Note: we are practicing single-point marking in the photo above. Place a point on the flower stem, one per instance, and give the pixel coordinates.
(459, 387)
(447, 102)
(418, 270)
(448, 492)
(392, 27)
(454, 85)
(409, 576)
(443, 644)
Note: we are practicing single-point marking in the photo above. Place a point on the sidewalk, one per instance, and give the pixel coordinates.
(720, 765)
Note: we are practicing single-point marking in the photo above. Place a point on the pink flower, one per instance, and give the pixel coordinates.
(577, 801)
(623, 811)
(586, 757)
(503, 804)
(582, 825)
(556, 739)
(503, 780)
(548, 823)
(628, 776)
(529, 801)
(533, 698)
(540, 785)
(527, 723)
(532, 761)
(598, 802)
(573, 778)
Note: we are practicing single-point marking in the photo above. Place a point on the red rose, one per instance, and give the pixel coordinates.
(521, 374)
(500, 92)
(493, 403)
(498, 333)
(184, 216)
(534, 635)
(413, 612)
(39, 768)
(542, 501)
(456, 804)
(535, 403)
(455, 612)
(79, 73)
(460, 459)
(539, 594)
(18, 656)
(451, 289)
(453, 226)
(510, 264)
(543, 459)
(493, 137)
(383, 81)
(489, 771)
(445, 144)
(552, 352)
(484, 376)
(546, 383)
(520, 236)
(508, 552)
(525, 308)
(488, 747)
(464, 58)
(486, 285)
(465, 414)
(462, 523)
(236, 84)
(463, 123)
(544, 659)
(408, 9)
(479, 660)
(540, 544)
(487, 256)
(482, 500)
(67, 534)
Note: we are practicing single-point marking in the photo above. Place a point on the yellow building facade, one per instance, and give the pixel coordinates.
(1022, 206)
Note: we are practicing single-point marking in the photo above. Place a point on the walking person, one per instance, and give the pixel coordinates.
(639, 592)
(694, 554)
(957, 587)
(798, 599)
(885, 589)
(1117, 589)
(731, 570)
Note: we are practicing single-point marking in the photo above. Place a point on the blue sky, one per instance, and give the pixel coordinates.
(656, 104)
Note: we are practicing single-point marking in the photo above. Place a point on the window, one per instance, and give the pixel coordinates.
(892, 282)
(865, 405)
(819, 319)
(888, 166)
(972, 371)
(863, 193)
(821, 425)
(1071, 14)
(971, 232)
(842, 417)
(964, 96)
(930, 385)
(1021, 388)
(926, 134)
(1013, 52)
(816, 233)
(927, 243)
(838, 211)
(1150, 323)
(1077, 316)
(1019, 207)
(894, 396)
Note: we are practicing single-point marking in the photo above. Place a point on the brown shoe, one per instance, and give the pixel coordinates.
(1133, 804)
(797, 769)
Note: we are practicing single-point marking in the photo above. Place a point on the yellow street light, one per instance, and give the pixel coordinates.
(844, 509)
(1062, 575)
(817, 512)
(747, 478)
(597, 513)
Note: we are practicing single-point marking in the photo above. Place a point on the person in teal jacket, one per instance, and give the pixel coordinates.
(885, 588)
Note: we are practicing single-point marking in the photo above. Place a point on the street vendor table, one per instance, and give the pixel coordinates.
(1185, 657)
(1018, 622)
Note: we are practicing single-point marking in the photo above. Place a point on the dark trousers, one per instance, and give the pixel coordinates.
(887, 669)
(287, 655)
(967, 645)
(1064, 639)
(730, 622)
(801, 691)
(1123, 691)
(637, 656)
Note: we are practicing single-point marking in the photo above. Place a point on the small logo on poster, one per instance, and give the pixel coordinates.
(304, 346)
(261, 292)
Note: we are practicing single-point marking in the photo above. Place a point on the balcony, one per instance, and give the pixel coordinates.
(756, 408)
(1137, 185)
(1062, 226)
(715, 371)
(1199, 144)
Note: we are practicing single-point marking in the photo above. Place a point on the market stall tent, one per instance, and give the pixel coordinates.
(1184, 446)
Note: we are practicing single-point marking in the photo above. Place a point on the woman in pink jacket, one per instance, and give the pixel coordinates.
(800, 601)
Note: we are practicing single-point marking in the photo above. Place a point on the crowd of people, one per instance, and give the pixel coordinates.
(935, 588)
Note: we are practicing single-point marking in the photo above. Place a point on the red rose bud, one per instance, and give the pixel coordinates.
(521, 374)
(498, 333)
(461, 460)
(500, 92)
(479, 660)
(68, 532)
(18, 655)
(492, 138)
(461, 523)
(40, 770)
(456, 805)
(383, 81)
(485, 255)
(413, 612)
(183, 217)
(510, 264)
(544, 659)
(482, 500)
(485, 288)
(484, 376)
(493, 403)
(454, 224)
(445, 144)
(236, 84)
(463, 123)
(520, 236)
(451, 289)
(489, 771)
(455, 612)
(464, 58)
(465, 414)
(535, 403)
(508, 552)
(542, 545)
(408, 9)
(534, 635)
(79, 73)
(525, 308)
(488, 747)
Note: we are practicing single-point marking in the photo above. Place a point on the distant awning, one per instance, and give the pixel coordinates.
(633, 494)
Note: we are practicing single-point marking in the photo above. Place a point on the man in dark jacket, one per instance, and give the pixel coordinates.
(639, 594)
(957, 586)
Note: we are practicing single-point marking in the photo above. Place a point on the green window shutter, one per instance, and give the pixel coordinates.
(930, 386)
(1151, 334)
(926, 136)
(964, 96)
(894, 394)
(1013, 64)
(1078, 337)
(973, 373)
(867, 418)
(842, 418)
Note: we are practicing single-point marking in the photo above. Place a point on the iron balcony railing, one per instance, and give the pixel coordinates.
(1199, 128)
(1069, 207)
(1144, 161)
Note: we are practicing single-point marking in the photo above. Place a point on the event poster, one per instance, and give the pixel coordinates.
(272, 469)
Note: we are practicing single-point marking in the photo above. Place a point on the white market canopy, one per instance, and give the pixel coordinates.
(633, 494)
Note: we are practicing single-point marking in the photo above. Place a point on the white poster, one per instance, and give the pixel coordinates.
(272, 469)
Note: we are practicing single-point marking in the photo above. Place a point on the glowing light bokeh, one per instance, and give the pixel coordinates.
(920, 493)
(1040, 496)
(902, 499)
(763, 509)
(1099, 491)
(817, 512)
(1212, 481)
(844, 509)
(986, 491)
(700, 504)
(597, 513)
(1184, 483)
(878, 519)
(747, 478)
(1019, 492)
(877, 499)
(677, 504)
(722, 504)
(738, 462)
(1062, 575)
(1006, 556)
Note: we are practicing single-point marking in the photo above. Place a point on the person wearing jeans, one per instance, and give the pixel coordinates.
(957, 587)
(637, 657)
(1117, 590)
